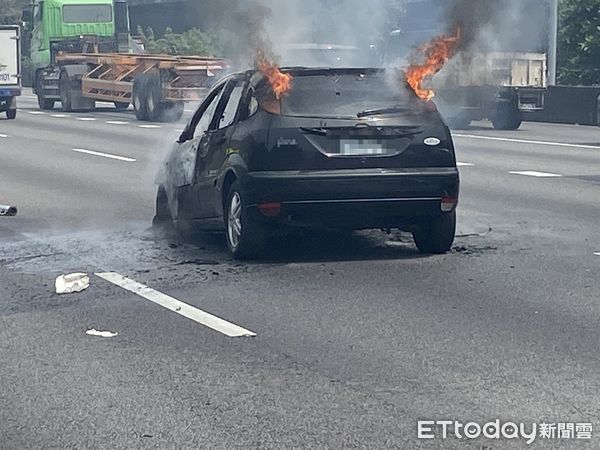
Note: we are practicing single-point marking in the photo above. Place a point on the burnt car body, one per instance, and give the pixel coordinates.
(343, 149)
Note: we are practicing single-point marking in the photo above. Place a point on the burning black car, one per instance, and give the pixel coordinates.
(314, 148)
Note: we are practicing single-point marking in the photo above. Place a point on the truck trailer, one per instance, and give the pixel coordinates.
(82, 52)
(10, 69)
(502, 77)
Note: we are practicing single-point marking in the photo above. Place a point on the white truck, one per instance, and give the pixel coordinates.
(10, 69)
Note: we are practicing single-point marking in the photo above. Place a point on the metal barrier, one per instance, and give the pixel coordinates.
(569, 104)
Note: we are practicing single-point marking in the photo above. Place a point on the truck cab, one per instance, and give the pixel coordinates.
(72, 26)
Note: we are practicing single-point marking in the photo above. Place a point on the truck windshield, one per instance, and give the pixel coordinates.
(87, 13)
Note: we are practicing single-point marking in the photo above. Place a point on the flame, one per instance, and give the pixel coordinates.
(280, 82)
(437, 53)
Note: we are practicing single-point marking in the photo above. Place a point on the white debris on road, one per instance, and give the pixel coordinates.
(69, 284)
(102, 334)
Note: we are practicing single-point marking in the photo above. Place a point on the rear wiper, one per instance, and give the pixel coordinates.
(377, 112)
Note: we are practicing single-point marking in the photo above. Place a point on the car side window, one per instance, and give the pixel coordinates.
(207, 116)
(232, 106)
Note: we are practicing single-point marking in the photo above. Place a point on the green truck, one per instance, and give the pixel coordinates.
(81, 52)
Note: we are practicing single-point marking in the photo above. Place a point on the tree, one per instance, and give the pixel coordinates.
(10, 11)
(579, 42)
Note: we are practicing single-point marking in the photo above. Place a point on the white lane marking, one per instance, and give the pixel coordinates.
(60, 116)
(117, 122)
(172, 304)
(462, 164)
(36, 113)
(104, 155)
(526, 141)
(3, 135)
(149, 126)
(597, 254)
(533, 173)
(86, 119)
(188, 110)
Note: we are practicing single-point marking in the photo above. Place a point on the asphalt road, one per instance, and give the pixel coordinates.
(357, 338)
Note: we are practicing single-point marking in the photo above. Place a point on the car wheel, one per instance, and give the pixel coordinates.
(437, 235)
(11, 114)
(245, 237)
(162, 216)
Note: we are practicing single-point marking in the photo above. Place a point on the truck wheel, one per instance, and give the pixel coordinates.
(154, 101)
(43, 103)
(11, 114)
(246, 238)
(66, 99)
(508, 117)
(139, 98)
(437, 235)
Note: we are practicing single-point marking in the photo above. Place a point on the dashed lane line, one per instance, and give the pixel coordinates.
(3, 136)
(462, 164)
(597, 253)
(533, 173)
(151, 127)
(36, 113)
(117, 122)
(208, 320)
(526, 141)
(104, 155)
(87, 119)
(60, 116)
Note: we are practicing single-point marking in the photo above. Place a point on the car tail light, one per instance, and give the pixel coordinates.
(449, 204)
(270, 209)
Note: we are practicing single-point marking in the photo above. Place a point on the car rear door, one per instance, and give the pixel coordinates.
(218, 140)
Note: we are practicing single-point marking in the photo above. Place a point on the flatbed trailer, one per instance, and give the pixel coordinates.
(156, 85)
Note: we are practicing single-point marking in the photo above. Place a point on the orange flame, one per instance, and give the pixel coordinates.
(280, 82)
(437, 53)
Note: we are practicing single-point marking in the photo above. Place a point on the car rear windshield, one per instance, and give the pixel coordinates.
(87, 13)
(349, 95)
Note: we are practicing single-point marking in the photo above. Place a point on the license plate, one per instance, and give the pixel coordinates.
(362, 147)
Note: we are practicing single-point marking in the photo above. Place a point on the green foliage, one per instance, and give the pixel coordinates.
(579, 42)
(191, 42)
(10, 11)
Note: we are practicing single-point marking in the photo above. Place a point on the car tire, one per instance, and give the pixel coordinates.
(436, 235)
(139, 98)
(246, 238)
(11, 114)
(508, 117)
(162, 215)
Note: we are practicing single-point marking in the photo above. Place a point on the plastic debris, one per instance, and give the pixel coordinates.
(102, 334)
(8, 210)
(69, 284)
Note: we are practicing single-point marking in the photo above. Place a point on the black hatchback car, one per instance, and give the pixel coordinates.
(344, 149)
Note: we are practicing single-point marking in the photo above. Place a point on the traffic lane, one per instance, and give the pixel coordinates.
(511, 156)
(51, 183)
(549, 132)
(170, 380)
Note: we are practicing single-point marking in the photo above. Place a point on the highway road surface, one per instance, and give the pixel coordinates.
(332, 342)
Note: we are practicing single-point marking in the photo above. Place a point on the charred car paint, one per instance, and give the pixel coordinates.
(344, 149)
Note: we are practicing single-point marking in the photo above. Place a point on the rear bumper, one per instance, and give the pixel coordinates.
(354, 199)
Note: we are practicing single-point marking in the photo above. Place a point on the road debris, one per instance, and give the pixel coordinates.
(10, 211)
(102, 334)
(73, 283)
